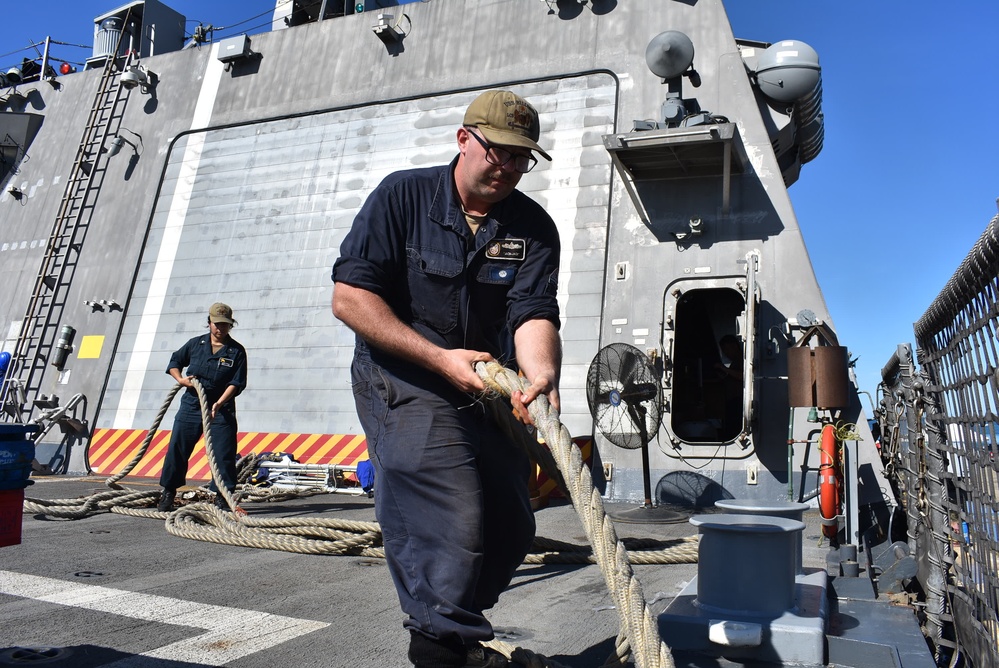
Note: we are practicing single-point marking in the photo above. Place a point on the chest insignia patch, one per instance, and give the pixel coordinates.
(507, 249)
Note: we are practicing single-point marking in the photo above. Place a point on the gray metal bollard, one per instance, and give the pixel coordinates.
(786, 509)
(746, 563)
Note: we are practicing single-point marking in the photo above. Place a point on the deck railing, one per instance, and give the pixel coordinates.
(940, 433)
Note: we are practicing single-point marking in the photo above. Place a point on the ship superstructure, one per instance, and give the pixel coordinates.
(224, 171)
(165, 176)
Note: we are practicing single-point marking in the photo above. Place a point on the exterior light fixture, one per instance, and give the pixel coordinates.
(96, 304)
(137, 76)
(116, 145)
(118, 142)
(14, 76)
(387, 31)
(234, 49)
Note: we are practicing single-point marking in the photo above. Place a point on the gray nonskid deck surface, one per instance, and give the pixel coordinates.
(561, 611)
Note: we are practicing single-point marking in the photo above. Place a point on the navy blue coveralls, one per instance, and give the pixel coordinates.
(450, 490)
(215, 371)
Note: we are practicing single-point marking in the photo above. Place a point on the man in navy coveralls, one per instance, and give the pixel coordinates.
(445, 267)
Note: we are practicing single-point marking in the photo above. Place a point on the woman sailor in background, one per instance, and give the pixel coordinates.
(219, 362)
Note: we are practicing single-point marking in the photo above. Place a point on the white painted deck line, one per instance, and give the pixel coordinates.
(228, 633)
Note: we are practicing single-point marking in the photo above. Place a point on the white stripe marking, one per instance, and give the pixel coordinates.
(230, 633)
(128, 401)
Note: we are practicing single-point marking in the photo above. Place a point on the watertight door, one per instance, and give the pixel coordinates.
(708, 342)
(752, 302)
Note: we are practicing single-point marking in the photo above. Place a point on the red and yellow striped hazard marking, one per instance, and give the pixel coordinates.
(112, 449)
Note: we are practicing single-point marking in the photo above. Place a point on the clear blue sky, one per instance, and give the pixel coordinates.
(909, 174)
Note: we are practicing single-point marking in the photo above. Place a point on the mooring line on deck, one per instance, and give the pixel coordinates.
(639, 635)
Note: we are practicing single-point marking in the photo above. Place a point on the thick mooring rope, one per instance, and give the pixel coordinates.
(119, 499)
(639, 628)
(204, 521)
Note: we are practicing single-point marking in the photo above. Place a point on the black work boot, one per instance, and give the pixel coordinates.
(220, 502)
(479, 656)
(167, 497)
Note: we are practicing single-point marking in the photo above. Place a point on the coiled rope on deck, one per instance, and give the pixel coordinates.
(200, 521)
(120, 498)
(204, 521)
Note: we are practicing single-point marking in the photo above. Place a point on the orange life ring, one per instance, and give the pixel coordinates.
(829, 482)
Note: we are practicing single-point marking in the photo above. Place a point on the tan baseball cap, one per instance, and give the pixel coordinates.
(506, 119)
(220, 312)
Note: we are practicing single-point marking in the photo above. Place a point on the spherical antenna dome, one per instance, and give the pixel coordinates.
(787, 71)
(669, 54)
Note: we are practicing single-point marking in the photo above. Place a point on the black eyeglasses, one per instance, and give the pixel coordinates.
(500, 156)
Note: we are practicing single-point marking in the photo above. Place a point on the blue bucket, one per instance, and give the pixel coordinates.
(16, 455)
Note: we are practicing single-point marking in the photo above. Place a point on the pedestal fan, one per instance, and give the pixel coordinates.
(626, 401)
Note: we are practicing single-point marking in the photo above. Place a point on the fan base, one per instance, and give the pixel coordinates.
(647, 515)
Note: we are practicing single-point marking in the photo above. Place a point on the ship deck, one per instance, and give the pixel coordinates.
(115, 590)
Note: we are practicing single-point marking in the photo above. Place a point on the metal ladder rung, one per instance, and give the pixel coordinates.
(67, 234)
